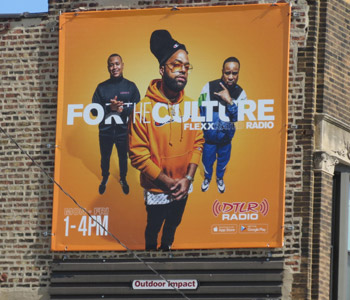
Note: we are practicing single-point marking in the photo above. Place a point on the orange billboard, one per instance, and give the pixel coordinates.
(233, 117)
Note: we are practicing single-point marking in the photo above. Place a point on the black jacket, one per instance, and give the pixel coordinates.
(126, 91)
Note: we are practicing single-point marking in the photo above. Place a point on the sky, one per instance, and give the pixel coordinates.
(20, 6)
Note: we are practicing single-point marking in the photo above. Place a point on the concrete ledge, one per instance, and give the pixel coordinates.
(24, 294)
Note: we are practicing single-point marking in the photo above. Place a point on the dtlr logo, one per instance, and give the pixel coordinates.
(240, 210)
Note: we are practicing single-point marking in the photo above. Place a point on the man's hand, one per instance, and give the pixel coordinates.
(180, 189)
(224, 94)
(169, 183)
(116, 105)
(165, 182)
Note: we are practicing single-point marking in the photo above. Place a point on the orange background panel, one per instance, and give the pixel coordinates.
(258, 35)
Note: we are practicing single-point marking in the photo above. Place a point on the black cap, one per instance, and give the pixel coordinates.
(163, 45)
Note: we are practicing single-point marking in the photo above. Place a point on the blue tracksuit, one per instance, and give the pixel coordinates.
(219, 128)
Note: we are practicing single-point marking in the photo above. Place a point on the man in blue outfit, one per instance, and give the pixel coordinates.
(220, 117)
(117, 96)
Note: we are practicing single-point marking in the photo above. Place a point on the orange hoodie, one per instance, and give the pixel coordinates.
(163, 137)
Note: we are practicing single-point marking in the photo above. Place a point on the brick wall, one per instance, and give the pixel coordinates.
(332, 97)
(335, 76)
(28, 76)
(322, 230)
(302, 146)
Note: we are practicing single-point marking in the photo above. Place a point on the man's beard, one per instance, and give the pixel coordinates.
(172, 84)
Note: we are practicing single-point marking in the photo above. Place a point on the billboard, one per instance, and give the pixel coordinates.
(249, 212)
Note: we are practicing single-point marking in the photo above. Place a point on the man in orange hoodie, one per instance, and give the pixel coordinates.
(165, 143)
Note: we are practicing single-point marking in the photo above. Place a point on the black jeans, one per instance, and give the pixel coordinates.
(169, 214)
(106, 147)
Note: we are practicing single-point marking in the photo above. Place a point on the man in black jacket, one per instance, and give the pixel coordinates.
(117, 96)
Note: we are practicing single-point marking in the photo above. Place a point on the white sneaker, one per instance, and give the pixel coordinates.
(205, 185)
(221, 185)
